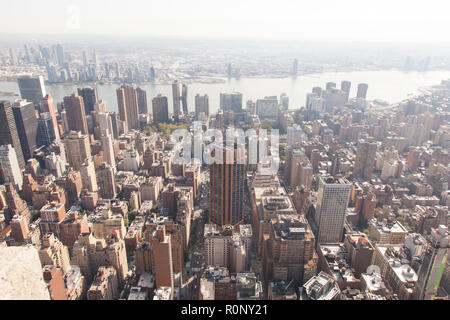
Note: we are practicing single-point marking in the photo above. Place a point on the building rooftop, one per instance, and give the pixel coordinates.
(248, 286)
(388, 226)
(321, 287)
(163, 293)
(373, 281)
(397, 257)
(336, 257)
(146, 280)
(21, 276)
(136, 293)
(283, 289)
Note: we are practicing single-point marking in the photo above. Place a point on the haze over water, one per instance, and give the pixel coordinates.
(389, 85)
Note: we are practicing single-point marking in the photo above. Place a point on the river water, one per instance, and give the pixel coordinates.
(389, 85)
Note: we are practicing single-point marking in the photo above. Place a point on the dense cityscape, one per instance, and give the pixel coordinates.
(164, 198)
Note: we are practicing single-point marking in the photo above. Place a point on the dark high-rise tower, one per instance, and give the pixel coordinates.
(176, 100)
(184, 98)
(90, 98)
(231, 101)
(128, 106)
(46, 133)
(26, 123)
(74, 106)
(32, 88)
(330, 85)
(365, 160)
(160, 109)
(201, 105)
(152, 74)
(8, 131)
(226, 192)
(345, 86)
(362, 90)
(47, 105)
(142, 100)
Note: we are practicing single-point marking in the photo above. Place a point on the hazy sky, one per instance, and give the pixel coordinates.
(379, 20)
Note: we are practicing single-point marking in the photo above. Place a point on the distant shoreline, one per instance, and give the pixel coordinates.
(224, 79)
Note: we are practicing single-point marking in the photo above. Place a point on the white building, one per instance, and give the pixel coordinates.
(108, 150)
(390, 169)
(313, 102)
(228, 248)
(131, 161)
(55, 164)
(10, 166)
(88, 177)
(332, 201)
(105, 122)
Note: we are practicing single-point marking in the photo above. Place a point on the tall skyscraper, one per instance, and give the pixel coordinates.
(142, 100)
(26, 124)
(330, 85)
(152, 74)
(60, 55)
(345, 86)
(362, 90)
(317, 91)
(47, 105)
(433, 264)
(184, 98)
(201, 105)
(74, 107)
(176, 100)
(365, 159)
(105, 123)
(229, 70)
(116, 124)
(100, 106)
(90, 98)
(160, 109)
(231, 101)
(32, 88)
(88, 176)
(78, 149)
(27, 53)
(313, 102)
(226, 193)
(128, 106)
(332, 201)
(8, 131)
(85, 58)
(295, 157)
(108, 149)
(294, 67)
(10, 166)
(106, 182)
(162, 265)
(284, 100)
(45, 132)
(12, 57)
